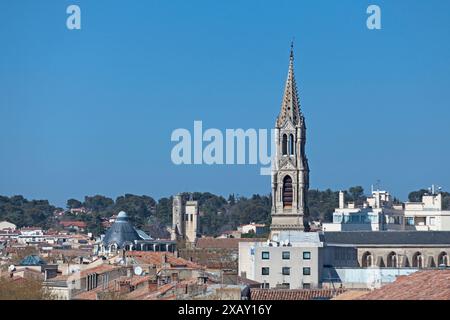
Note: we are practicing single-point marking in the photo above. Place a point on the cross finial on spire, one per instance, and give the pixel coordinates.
(292, 49)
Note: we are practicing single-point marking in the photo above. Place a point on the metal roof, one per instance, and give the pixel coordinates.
(380, 238)
(32, 260)
(121, 232)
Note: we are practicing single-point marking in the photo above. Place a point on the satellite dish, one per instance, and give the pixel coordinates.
(11, 268)
(138, 271)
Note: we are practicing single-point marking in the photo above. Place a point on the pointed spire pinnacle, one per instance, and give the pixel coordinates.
(292, 51)
(290, 107)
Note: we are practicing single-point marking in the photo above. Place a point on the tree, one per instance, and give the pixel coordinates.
(74, 204)
(416, 196)
(356, 194)
(445, 201)
(164, 211)
(22, 289)
(138, 208)
(22, 212)
(98, 203)
(94, 224)
(231, 200)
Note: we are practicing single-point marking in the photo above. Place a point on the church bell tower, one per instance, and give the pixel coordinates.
(290, 170)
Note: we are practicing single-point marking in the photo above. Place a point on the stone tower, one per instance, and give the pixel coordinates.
(177, 218)
(290, 170)
(184, 219)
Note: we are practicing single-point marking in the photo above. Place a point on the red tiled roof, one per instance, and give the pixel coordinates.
(79, 224)
(247, 281)
(223, 243)
(100, 269)
(296, 294)
(421, 285)
(156, 258)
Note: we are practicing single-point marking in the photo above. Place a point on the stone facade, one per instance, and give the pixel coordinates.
(184, 220)
(404, 257)
(290, 170)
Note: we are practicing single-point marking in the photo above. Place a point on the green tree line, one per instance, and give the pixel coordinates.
(217, 214)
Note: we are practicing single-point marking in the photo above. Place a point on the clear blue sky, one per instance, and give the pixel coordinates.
(91, 111)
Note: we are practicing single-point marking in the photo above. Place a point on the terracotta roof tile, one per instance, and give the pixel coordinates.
(295, 294)
(79, 224)
(223, 243)
(421, 285)
(156, 258)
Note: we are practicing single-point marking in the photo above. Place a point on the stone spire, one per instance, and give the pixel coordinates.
(290, 106)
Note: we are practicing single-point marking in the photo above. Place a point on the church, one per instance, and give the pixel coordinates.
(293, 258)
(290, 169)
(123, 236)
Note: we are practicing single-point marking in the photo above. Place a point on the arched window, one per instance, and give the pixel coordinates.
(392, 260)
(291, 145)
(417, 260)
(287, 192)
(367, 260)
(284, 145)
(443, 259)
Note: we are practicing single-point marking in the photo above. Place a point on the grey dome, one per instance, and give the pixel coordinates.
(121, 232)
(32, 260)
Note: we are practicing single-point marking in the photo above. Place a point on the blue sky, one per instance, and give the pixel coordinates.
(91, 111)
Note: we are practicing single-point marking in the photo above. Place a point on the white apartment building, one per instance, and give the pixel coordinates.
(292, 263)
(427, 215)
(298, 260)
(379, 213)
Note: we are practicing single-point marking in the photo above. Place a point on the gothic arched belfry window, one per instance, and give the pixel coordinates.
(287, 192)
(291, 145)
(284, 145)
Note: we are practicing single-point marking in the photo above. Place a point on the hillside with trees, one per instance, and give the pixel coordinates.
(217, 214)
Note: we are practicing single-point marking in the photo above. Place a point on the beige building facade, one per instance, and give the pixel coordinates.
(184, 219)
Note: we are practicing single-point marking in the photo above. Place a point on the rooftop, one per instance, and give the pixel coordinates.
(421, 285)
(297, 294)
(387, 237)
(156, 258)
(32, 260)
(223, 243)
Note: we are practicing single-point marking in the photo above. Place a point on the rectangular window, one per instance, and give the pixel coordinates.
(265, 285)
(265, 255)
(286, 255)
(432, 221)
(286, 285)
(410, 221)
(286, 271)
(307, 286)
(306, 255)
(306, 271)
(265, 271)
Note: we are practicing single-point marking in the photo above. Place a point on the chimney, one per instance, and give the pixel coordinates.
(125, 287)
(341, 200)
(152, 285)
(152, 270)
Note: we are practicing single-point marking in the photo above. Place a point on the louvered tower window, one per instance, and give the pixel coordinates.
(287, 192)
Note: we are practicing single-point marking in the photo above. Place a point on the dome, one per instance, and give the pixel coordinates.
(32, 260)
(122, 214)
(121, 232)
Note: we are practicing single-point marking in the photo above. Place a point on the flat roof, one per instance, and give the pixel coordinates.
(387, 238)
